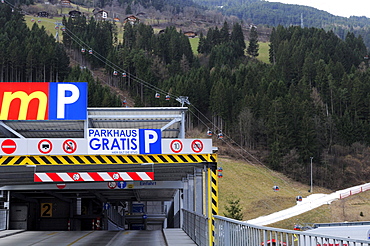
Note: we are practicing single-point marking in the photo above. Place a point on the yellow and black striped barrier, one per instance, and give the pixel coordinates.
(105, 159)
(212, 203)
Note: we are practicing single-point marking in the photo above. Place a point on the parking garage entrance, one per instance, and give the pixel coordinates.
(119, 169)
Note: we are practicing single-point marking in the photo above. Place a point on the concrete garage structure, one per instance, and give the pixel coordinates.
(77, 175)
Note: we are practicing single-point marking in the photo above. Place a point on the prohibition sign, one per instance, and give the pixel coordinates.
(197, 146)
(8, 146)
(112, 185)
(69, 146)
(176, 146)
(45, 146)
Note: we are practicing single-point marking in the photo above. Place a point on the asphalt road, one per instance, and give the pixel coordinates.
(86, 238)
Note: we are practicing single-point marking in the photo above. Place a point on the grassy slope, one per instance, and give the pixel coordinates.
(263, 49)
(252, 184)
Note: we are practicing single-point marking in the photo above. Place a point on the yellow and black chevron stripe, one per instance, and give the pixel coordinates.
(105, 159)
(213, 202)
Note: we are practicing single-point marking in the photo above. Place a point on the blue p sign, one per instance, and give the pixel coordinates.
(150, 141)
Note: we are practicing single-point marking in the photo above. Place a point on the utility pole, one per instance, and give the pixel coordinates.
(311, 190)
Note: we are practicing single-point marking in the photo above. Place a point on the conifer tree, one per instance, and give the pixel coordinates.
(253, 46)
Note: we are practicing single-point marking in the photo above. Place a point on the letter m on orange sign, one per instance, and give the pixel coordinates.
(43, 101)
(24, 101)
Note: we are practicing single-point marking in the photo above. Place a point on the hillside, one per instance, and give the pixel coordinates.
(272, 14)
(312, 101)
(252, 184)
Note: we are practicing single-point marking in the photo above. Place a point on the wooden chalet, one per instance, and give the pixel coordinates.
(131, 19)
(66, 3)
(43, 14)
(74, 13)
(100, 14)
(190, 34)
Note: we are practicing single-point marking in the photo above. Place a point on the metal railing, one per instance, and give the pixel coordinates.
(115, 217)
(196, 226)
(3, 219)
(233, 232)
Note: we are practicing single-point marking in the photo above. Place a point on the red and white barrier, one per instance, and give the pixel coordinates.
(355, 190)
(93, 176)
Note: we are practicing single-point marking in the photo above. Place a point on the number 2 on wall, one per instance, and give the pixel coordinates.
(46, 209)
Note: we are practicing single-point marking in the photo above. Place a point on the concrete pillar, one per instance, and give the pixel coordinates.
(191, 198)
(186, 193)
(198, 191)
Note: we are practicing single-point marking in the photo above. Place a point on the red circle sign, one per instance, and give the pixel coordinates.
(61, 186)
(197, 146)
(8, 146)
(112, 185)
(176, 146)
(69, 146)
(45, 146)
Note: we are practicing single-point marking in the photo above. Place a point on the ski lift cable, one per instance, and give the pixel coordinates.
(146, 84)
(241, 148)
(114, 66)
(103, 59)
(118, 68)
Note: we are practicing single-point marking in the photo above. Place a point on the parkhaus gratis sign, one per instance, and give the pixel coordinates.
(124, 141)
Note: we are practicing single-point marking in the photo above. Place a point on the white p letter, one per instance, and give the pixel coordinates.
(150, 137)
(63, 99)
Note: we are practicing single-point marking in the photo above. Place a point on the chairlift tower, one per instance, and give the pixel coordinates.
(183, 100)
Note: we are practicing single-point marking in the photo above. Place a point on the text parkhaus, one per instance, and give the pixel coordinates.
(113, 139)
(125, 141)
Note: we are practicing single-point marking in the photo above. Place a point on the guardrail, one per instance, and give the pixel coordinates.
(356, 190)
(115, 217)
(196, 226)
(237, 233)
(3, 219)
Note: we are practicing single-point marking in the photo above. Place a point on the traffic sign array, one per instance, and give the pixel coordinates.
(104, 159)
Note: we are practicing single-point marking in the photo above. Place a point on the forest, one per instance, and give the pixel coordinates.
(272, 14)
(312, 100)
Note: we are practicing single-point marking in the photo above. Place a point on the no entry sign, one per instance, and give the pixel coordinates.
(8, 146)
